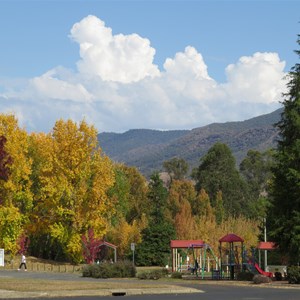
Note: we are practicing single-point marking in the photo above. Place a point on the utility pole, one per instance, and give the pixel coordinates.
(265, 238)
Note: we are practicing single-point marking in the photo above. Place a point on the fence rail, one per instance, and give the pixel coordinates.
(44, 267)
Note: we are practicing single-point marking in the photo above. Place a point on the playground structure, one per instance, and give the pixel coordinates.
(194, 256)
(197, 257)
(231, 255)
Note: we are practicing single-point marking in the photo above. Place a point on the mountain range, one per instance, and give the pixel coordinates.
(147, 149)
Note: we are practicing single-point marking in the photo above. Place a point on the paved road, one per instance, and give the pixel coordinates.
(213, 290)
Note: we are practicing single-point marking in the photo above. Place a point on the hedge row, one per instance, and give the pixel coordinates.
(293, 274)
(119, 269)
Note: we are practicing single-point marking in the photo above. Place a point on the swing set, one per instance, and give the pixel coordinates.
(202, 256)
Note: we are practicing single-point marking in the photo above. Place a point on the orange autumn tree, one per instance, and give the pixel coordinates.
(72, 178)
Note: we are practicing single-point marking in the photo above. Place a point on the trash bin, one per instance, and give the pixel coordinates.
(215, 274)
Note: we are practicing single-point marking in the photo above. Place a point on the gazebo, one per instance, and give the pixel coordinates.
(234, 258)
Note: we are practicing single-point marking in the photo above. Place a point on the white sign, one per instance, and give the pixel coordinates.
(2, 257)
(132, 246)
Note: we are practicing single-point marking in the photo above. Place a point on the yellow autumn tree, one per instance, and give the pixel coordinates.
(179, 192)
(72, 178)
(15, 190)
(124, 234)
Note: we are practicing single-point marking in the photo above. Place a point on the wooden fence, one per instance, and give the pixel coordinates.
(44, 267)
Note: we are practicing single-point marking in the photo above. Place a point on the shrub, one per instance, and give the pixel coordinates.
(165, 271)
(155, 274)
(293, 274)
(258, 279)
(245, 276)
(86, 271)
(119, 269)
(176, 275)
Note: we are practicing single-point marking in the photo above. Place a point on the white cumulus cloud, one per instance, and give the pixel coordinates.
(117, 87)
(121, 58)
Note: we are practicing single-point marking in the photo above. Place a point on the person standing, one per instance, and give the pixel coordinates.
(23, 262)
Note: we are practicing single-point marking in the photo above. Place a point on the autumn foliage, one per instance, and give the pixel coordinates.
(59, 191)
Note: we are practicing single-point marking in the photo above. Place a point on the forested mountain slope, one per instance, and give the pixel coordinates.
(148, 149)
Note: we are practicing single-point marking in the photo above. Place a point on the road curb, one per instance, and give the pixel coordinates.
(5, 294)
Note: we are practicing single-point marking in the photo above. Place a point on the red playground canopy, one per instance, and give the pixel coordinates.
(267, 246)
(231, 238)
(186, 243)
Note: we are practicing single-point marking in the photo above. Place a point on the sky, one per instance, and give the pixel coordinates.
(160, 64)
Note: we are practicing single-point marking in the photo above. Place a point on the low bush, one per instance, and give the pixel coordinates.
(245, 276)
(119, 269)
(258, 279)
(293, 274)
(176, 275)
(154, 275)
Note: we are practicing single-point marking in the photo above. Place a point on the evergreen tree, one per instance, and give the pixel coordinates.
(217, 172)
(256, 170)
(285, 214)
(219, 210)
(155, 248)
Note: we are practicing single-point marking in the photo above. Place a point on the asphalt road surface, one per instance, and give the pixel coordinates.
(213, 292)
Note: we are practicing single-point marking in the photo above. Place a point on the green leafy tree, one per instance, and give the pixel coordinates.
(138, 206)
(256, 169)
(217, 172)
(176, 167)
(155, 246)
(285, 214)
(119, 194)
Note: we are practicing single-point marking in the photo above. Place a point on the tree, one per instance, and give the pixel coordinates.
(73, 178)
(15, 194)
(16, 189)
(185, 223)
(91, 246)
(5, 160)
(256, 169)
(138, 205)
(219, 210)
(11, 227)
(217, 172)
(179, 192)
(285, 213)
(201, 205)
(176, 167)
(155, 246)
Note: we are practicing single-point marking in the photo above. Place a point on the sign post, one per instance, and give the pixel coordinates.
(2, 257)
(132, 246)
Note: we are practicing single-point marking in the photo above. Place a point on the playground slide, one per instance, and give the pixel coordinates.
(262, 272)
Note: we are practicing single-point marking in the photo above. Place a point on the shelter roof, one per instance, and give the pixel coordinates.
(105, 243)
(267, 246)
(231, 238)
(186, 243)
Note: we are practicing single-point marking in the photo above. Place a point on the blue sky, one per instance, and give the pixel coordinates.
(144, 64)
